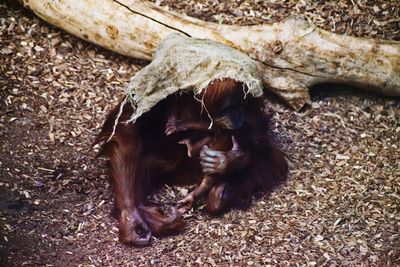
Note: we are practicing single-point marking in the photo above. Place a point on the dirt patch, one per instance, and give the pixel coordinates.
(339, 207)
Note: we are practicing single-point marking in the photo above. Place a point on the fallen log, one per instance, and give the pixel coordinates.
(292, 55)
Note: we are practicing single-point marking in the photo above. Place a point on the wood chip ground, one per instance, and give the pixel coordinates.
(340, 205)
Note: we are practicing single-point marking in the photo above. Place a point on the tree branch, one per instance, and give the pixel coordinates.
(292, 55)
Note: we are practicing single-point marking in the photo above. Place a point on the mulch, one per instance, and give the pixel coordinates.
(340, 205)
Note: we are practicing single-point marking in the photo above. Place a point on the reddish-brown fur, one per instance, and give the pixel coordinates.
(142, 158)
(217, 92)
(219, 142)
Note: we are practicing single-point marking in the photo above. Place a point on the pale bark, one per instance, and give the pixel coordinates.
(293, 55)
